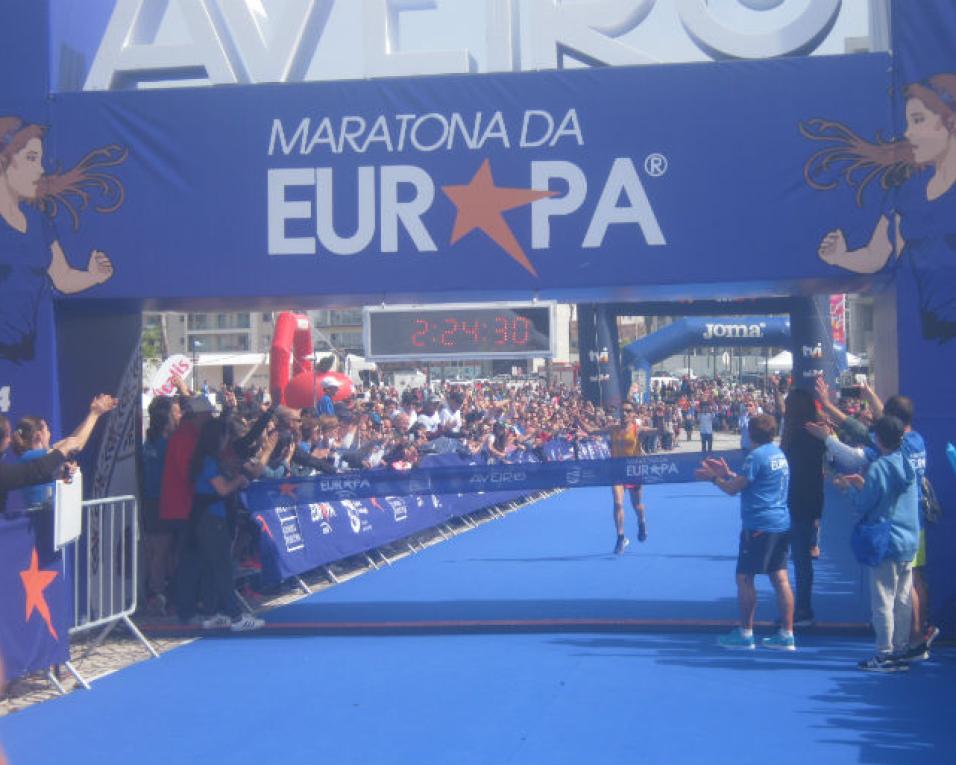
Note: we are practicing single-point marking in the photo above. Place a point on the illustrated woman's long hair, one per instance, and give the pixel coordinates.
(70, 189)
(859, 162)
(854, 159)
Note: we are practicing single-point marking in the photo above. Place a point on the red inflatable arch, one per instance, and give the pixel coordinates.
(301, 387)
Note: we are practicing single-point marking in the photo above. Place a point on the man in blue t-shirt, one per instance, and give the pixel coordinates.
(764, 537)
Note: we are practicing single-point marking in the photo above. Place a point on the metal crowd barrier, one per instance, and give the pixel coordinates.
(105, 572)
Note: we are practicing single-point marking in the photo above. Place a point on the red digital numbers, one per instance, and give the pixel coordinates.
(419, 335)
(520, 330)
(472, 329)
(470, 332)
(502, 333)
(447, 338)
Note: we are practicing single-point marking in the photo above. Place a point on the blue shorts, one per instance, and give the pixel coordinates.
(762, 552)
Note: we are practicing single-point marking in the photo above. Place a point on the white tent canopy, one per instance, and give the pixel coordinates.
(783, 361)
(237, 359)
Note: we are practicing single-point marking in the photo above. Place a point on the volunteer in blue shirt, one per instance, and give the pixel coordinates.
(849, 459)
(888, 492)
(764, 537)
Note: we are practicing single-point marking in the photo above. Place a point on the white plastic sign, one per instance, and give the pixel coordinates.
(175, 366)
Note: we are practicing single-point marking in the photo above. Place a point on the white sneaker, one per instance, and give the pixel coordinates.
(246, 623)
(216, 622)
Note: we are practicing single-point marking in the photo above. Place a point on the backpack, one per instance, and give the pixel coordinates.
(929, 505)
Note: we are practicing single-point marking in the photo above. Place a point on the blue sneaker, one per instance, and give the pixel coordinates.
(779, 642)
(735, 641)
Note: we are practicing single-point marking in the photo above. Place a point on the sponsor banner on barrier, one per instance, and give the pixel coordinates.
(301, 537)
(464, 478)
(306, 523)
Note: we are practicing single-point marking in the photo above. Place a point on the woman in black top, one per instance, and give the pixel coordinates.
(805, 497)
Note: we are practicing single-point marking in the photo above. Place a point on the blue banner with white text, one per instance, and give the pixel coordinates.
(491, 185)
(308, 522)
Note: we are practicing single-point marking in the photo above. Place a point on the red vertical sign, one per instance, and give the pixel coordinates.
(838, 318)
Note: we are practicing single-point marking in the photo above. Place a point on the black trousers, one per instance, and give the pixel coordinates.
(214, 540)
(802, 538)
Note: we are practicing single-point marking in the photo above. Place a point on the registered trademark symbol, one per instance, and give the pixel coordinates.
(655, 165)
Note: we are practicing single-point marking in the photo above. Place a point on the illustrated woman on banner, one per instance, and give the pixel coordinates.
(921, 217)
(32, 259)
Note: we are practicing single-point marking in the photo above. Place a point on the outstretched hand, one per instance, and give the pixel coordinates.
(100, 267)
(180, 385)
(822, 390)
(718, 467)
(102, 404)
(833, 248)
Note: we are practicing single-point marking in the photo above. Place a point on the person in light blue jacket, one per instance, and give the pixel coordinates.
(888, 491)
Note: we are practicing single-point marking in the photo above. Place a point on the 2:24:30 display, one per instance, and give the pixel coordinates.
(451, 332)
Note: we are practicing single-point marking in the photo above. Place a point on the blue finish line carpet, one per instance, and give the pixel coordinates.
(561, 672)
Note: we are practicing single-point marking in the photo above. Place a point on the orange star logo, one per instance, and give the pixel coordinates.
(35, 582)
(287, 490)
(480, 205)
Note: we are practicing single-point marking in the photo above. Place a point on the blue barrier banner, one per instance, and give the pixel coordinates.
(308, 522)
(495, 184)
(451, 479)
(34, 596)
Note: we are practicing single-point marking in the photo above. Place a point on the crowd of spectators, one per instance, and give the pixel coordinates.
(198, 455)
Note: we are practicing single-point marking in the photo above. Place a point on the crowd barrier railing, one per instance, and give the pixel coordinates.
(105, 572)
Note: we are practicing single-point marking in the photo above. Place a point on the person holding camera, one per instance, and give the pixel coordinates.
(210, 536)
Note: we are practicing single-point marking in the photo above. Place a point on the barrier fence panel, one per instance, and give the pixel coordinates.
(105, 570)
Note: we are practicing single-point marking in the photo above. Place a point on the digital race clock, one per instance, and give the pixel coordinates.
(467, 331)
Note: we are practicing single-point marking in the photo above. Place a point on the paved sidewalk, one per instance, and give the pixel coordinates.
(722, 442)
